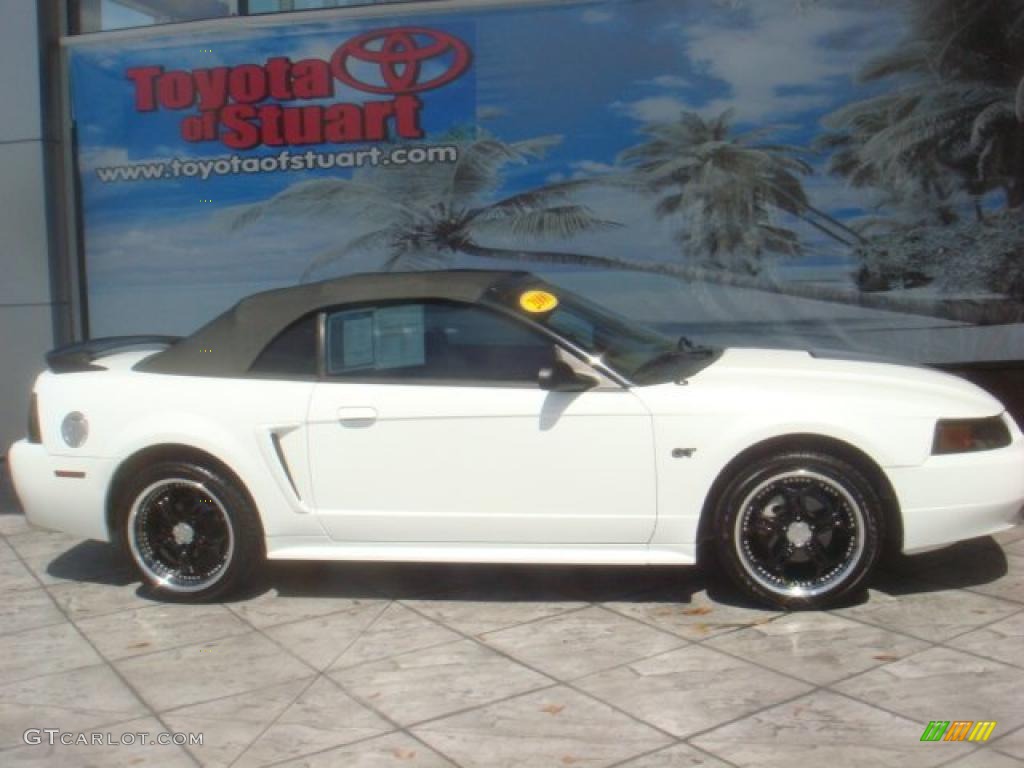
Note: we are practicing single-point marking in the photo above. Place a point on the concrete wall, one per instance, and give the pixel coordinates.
(30, 302)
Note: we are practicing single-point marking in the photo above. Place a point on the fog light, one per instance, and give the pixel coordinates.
(75, 429)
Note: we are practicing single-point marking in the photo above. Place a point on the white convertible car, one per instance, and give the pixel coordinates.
(473, 416)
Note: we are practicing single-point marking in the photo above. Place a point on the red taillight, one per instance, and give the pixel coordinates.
(34, 432)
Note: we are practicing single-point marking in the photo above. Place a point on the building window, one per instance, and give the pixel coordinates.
(279, 6)
(106, 15)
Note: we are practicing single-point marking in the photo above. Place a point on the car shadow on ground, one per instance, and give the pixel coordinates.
(94, 562)
(963, 565)
(967, 564)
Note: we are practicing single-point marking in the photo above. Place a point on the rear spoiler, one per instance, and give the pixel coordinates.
(71, 358)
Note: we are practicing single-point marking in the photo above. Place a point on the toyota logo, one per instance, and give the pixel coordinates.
(400, 56)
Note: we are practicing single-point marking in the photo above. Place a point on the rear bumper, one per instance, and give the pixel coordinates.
(72, 502)
(951, 498)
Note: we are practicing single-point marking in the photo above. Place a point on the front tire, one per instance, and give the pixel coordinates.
(799, 529)
(190, 531)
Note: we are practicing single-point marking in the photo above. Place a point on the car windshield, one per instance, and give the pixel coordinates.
(639, 353)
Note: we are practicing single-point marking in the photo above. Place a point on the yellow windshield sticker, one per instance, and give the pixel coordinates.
(538, 302)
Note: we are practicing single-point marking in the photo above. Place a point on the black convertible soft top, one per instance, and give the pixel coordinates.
(229, 344)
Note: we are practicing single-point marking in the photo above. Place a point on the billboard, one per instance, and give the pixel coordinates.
(840, 174)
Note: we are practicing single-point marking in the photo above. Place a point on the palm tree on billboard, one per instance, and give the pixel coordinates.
(426, 215)
(727, 189)
(944, 143)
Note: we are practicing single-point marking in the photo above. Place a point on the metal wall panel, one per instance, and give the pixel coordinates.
(19, 61)
(26, 308)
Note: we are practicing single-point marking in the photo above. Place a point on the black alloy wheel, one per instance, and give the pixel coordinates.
(799, 530)
(191, 533)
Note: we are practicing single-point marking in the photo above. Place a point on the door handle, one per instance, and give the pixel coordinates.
(357, 415)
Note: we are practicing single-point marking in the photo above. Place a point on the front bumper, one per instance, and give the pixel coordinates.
(73, 501)
(960, 496)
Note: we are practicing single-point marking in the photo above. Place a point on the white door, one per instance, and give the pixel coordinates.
(431, 428)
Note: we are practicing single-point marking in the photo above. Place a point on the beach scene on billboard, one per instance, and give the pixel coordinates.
(829, 174)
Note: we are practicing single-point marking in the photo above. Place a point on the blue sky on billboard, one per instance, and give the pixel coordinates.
(593, 74)
(112, 131)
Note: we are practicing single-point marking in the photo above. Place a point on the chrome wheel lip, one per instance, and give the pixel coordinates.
(163, 580)
(800, 590)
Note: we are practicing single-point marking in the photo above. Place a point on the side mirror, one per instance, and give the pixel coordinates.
(560, 377)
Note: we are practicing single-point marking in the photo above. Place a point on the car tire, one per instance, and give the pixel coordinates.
(190, 531)
(798, 530)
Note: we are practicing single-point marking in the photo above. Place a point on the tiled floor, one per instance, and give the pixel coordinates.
(484, 667)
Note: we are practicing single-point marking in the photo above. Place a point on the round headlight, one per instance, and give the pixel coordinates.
(75, 429)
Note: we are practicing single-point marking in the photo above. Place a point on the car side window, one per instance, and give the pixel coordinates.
(292, 353)
(434, 342)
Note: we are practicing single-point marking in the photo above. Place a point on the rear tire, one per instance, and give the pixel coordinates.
(191, 532)
(798, 530)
